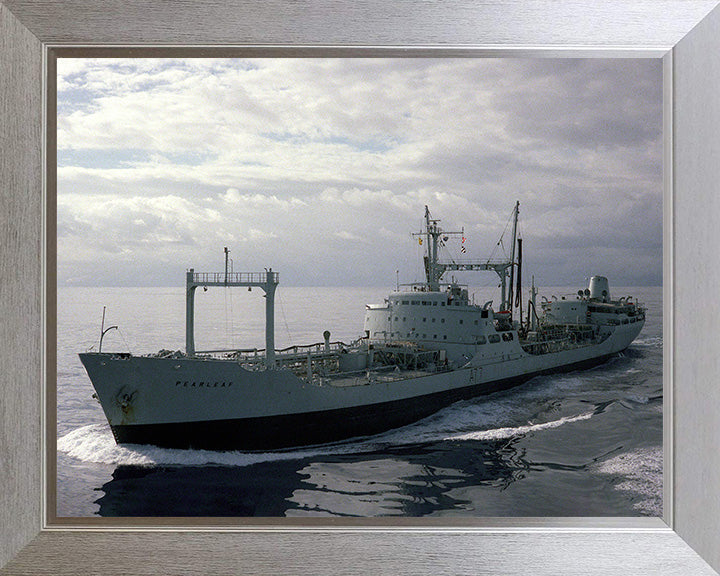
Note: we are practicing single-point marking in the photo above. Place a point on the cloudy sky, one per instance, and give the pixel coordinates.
(321, 168)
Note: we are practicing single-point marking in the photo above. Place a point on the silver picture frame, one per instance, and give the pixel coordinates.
(684, 33)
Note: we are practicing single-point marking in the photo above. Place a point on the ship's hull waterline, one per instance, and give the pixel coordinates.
(310, 428)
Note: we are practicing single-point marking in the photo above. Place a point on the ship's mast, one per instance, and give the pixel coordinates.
(432, 272)
(433, 232)
(516, 211)
(434, 268)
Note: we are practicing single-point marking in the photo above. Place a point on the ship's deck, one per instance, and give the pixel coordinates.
(363, 379)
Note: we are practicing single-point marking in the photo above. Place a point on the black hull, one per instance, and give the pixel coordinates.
(295, 430)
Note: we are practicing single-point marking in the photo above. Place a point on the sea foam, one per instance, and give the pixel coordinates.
(504, 433)
(641, 474)
(95, 444)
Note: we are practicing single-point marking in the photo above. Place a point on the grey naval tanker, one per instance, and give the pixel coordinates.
(425, 347)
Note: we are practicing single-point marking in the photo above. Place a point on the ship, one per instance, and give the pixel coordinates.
(427, 346)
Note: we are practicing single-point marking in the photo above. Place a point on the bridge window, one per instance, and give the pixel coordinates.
(494, 338)
(461, 321)
(481, 340)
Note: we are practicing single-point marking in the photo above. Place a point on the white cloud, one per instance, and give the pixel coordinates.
(260, 201)
(345, 235)
(328, 164)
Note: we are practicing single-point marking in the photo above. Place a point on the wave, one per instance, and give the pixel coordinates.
(95, 443)
(640, 473)
(649, 342)
(505, 433)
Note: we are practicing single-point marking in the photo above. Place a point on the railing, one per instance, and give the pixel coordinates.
(236, 277)
(290, 353)
(475, 262)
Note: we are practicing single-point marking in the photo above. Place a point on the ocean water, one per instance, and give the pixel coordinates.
(586, 443)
